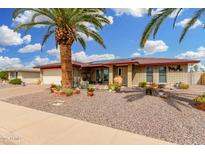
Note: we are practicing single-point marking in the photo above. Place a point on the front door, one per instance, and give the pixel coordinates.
(122, 71)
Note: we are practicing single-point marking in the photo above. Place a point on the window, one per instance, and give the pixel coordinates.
(119, 71)
(162, 74)
(105, 72)
(149, 72)
(13, 75)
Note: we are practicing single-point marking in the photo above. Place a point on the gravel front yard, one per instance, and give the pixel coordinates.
(132, 111)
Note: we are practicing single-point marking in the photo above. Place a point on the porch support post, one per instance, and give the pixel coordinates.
(129, 75)
(111, 74)
(102, 74)
(41, 76)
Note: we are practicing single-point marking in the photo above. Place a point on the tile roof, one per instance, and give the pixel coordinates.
(22, 70)
(139, 61)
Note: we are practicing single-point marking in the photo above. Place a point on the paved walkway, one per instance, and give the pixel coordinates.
(21, 125)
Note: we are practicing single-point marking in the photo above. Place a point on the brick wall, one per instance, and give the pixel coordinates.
(139, 75)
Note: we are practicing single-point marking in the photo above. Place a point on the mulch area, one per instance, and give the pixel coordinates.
(170, 119)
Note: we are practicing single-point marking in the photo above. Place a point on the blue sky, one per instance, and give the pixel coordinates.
(122, 37)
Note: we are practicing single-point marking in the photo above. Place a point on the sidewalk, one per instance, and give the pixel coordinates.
(20, 125)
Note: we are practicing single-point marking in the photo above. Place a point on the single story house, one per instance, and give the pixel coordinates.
(132, 70)
(27, 75)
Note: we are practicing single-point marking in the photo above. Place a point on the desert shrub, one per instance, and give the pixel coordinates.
(118, 80)
(56, 87)
(154, 85)
(84, 84)
(183, 85)
(3, 75)
(15, 81)
(76, 91)
(39, 82)
(68, 92)
(53, 86)
(142, 84)
(114, 87)
(90, 89)
(200, 99)
(111, 87)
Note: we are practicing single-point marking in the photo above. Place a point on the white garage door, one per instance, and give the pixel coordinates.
(51, 76)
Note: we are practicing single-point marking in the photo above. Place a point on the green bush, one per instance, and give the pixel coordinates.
(114, 87)
(53, 86)
(183, 86)
(90, 89)
(200, 99)
(4, 75)
(84, 84)
(15, 81)
(57, 87)
(68, 92)
(142, 84)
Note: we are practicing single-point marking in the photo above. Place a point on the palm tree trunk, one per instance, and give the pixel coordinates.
(66, 65)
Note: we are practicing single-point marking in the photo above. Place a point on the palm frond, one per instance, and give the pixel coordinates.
(82, 42)
(46, 36)
(176, 16)
(191, 22)
(149, 11)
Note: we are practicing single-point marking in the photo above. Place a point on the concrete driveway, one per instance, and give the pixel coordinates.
(20, 90)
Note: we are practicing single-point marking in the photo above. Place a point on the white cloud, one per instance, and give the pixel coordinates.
(198, 55)
(183, 23)
(27, 39)
(136, 12)
(136, 54)
(53, 52)
(40, 61)
(85, 37)
(9, 37)
(6, 62)
(30, 48)
(26, 17)
(83, 57)
(2, 49)
(154, 46)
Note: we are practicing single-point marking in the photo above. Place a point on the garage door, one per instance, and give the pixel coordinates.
(51, 76)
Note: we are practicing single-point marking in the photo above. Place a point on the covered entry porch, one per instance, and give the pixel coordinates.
(105, 74)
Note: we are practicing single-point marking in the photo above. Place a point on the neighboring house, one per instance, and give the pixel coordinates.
(27, 75)
(133, 71)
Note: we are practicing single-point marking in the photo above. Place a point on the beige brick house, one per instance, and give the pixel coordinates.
(133, 71)
(27, 75)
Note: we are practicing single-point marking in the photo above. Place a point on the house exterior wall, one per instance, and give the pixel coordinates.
(131, 74)
(139, 75)
(174, 77)
(30, 77)
(27, 77)
(124, 73)
(49, 76)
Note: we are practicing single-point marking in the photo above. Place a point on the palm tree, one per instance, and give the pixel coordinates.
(68, 25)
(157, 20)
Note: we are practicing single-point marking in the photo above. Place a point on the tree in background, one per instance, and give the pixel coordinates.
(3, 75)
